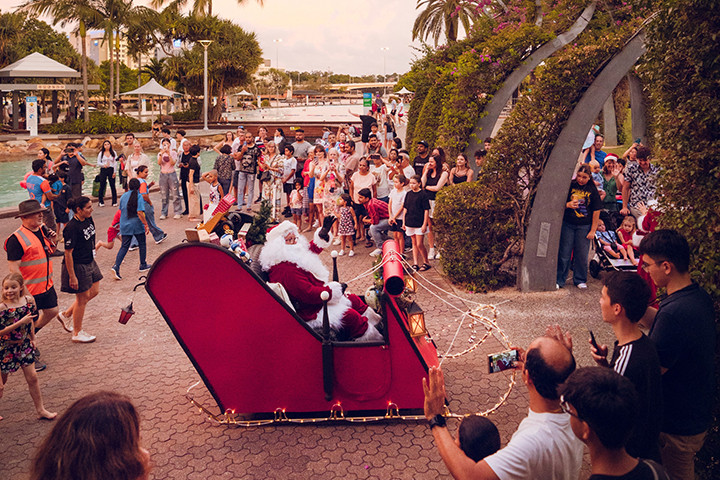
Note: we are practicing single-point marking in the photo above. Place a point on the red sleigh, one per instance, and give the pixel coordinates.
(256, 356)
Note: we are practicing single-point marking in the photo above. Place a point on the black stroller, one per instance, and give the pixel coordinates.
(600, 261)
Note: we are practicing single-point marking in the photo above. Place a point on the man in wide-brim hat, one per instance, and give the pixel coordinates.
(29, 249)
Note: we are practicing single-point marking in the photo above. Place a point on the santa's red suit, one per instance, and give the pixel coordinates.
(303, 275)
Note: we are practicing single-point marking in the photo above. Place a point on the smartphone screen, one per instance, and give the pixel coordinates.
(497, 362)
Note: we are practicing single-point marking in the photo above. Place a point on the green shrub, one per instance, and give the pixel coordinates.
(265, 103)
(682, 78)
(100, 123)
(510, 176)
(191, 114)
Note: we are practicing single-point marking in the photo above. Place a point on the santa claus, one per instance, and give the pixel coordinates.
(295, 263)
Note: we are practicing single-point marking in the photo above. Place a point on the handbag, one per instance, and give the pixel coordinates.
(96, 186)
(265, 176)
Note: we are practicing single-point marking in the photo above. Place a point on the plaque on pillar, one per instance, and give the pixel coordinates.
(31, 108)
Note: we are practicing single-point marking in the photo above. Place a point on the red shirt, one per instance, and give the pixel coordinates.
(377, 210)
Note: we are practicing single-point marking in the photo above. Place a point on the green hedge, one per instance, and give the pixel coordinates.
(509, 179)
(194, 112)
(682, 78)
(100, 123)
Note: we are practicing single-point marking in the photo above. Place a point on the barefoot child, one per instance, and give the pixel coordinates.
(625, 234)
(395, 210)
(216, 193)
(347, 224)
(609, 242)
(17, 339)
(296, 199)
(416, 210)
(113, 232)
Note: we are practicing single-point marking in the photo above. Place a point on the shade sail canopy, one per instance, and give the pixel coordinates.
(403, 91)
(37, 65)
(152, 88)
(246, 93)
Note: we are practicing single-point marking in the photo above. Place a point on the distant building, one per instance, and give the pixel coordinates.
(264, 67)
(98, 49)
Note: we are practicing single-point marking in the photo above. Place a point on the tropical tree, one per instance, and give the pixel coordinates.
(200, 7)
(155, 69)
(10, 29)
(63, 12)
(446, 16)
(232, 57)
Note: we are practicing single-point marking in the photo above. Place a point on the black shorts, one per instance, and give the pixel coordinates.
(47, 300)
(360, 210)
(288, 187)
(86, 273)
(397, 227)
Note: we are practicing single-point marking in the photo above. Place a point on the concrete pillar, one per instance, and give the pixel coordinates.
(610, 122)
(16, 109)
(54, 106)
(637, 109)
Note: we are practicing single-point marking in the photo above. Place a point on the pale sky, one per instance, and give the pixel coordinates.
(344, 36)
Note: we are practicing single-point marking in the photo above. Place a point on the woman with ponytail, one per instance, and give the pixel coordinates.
(132, 225)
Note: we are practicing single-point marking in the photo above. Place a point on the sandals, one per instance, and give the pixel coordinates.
(424, 267)
(415, 267)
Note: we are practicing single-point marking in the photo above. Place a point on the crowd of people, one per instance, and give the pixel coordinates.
(641, 412)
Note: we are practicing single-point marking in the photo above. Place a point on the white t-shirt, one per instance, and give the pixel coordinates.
(397, 199)
(288, 166)
(237, 144)
(381, 174)
(543, 448)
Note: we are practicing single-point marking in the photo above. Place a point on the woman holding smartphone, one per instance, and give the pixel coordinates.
(167, 158)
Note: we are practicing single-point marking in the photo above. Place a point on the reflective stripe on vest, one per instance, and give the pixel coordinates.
(35, 266)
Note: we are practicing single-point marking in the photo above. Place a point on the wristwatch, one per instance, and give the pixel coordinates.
(437, 421)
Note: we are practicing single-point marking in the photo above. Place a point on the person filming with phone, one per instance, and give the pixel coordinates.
(544, 446)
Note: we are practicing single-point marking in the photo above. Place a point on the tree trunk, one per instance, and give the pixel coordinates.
(117, 54)
(111, 93)
(86, 96)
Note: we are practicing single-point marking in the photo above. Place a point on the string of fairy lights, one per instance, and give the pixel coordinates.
(485, 315)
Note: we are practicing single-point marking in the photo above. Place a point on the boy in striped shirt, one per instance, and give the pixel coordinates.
(624, 300)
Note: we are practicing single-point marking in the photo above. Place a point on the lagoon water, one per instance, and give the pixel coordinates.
(11, 173)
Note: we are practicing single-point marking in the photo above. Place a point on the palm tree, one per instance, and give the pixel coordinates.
(63, 12)
(203, 7)
(444, 15)
(10, 27)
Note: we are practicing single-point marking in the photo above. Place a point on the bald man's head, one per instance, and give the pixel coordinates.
(548, 364)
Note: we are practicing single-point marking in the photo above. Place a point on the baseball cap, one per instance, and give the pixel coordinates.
(423, 143)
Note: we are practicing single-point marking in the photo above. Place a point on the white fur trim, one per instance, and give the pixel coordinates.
(277, 251)
(319, 241)
(371, 335)
(336, 312)
(281, 230)
(337, 293)
(372, 316)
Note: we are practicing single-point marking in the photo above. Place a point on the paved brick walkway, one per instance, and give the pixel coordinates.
(143, 360)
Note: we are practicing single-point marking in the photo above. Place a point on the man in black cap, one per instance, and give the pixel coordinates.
(29, 250)
(422, 157)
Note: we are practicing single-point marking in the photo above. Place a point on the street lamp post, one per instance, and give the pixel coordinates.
(277, 65)
(384, 49)
(205, 44)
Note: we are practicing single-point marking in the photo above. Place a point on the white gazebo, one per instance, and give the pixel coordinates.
(37, 65)
(151, 89)
(404, 91)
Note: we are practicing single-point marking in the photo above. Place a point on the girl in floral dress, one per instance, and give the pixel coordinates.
(333, 178)
(17, 339)
(347, 223)
(272, 191)
(317, 170)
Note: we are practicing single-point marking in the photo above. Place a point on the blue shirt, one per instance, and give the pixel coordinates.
(131, 225)
(599, 156)
(34, 187)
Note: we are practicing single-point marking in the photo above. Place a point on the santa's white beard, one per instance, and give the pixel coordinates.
(299, 254)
